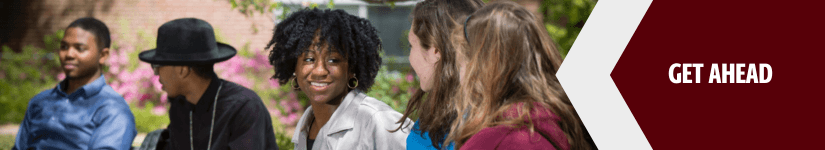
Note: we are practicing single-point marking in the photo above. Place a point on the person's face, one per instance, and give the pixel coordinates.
(169, 79)
(79, 54)
(322, 74)
(422, 61)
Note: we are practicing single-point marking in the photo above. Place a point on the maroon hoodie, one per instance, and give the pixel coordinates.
(507, 137)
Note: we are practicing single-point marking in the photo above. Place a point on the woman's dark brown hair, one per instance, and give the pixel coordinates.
(511, 61)
(435, 22)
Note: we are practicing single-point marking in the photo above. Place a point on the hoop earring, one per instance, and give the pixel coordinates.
(356, 83)
(295, 84)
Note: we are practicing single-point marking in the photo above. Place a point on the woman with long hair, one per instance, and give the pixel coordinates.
(509, 96)
(432, 38)
(333, 58)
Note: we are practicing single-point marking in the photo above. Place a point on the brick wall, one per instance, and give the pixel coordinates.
(44, 17)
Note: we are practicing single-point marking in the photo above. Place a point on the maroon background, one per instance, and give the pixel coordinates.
(786, 113)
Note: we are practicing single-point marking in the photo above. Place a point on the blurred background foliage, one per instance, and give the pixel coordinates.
(24, 73)
(564, 19)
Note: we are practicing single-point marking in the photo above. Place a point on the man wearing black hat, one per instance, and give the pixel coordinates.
(207, 112)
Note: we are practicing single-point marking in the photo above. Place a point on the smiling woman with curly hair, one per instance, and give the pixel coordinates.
(333, 57)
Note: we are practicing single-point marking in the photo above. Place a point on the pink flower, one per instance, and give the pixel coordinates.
(274, 83)
(394, 90)
(240, 80)
(274, 112)
(129, 97)
(295, 104)
(115, 85)
(287, 108)
(123, 56)
(124, 87)
(410, 78)
(159, 110)
(114, 69)
(289, 119)
(61, 76)
(156, 83)
(144, 97)
(262, 61)
(164, 98)
(292, 96)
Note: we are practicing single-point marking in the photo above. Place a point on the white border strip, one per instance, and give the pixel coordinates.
(585, 74)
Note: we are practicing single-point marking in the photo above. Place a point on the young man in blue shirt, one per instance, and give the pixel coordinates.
(82, 111)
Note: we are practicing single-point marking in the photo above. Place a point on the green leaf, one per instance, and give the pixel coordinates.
(331, 4)
(234, 4)
(391, 3)
(555, 31)
(579, 3)
(276, 5)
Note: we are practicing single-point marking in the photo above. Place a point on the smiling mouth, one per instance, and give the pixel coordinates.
(319, 84)
(69, 66)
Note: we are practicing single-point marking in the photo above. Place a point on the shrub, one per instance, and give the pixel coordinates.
(23, 75)
(150, 117)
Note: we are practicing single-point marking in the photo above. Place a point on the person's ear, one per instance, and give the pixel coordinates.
(104, 54)
(433, 54)
(185, 71)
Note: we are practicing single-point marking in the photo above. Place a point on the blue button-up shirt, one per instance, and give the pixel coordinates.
(92, 117)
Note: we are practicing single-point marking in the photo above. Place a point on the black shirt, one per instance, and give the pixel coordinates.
(310, 141)
(241, 120)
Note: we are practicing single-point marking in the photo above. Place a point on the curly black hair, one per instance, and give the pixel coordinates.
(349, 35)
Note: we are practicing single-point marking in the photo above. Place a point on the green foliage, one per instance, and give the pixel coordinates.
(283, 140)
(392, 90)
(146, 121)
(393, 87)
(390, 3)
(331, 4)
(405, 43)
(249, 7)
(23, 75)
(564, 20)
(6, 141)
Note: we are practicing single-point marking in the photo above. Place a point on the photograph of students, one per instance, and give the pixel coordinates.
(433, 40)
(206, 111)
(510, 97)
(82, 111)
(333, 58)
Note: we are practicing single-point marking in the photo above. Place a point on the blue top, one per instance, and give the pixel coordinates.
(92, 117)
(421, 141)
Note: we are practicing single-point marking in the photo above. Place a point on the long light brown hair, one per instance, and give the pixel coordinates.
(511, 61)
(435, 22)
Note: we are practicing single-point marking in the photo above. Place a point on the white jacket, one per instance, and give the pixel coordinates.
(359, 123)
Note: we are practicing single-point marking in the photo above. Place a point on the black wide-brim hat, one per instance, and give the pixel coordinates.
(187, 41)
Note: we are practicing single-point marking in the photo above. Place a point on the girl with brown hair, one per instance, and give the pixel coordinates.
(509, 96)
(433, 39)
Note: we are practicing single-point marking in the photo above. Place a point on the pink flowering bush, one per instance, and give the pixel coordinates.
(394, 88)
